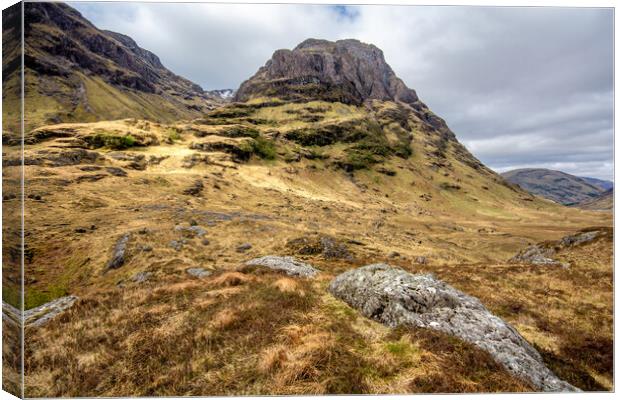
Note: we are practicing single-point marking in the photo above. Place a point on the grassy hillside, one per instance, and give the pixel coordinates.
(269, 177)
(604, 202)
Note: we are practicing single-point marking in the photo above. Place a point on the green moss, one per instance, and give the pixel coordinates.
(173, 135)
(264, 148)
(112, 141)
(399, 349)
(34, 297)
(12, 295)
(358, 159)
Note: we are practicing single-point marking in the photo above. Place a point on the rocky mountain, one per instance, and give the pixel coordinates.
(601, 183)
(223, 94)
(77, 72)
(354, 73)
(255, 218)
(558, 186)
(348, 71)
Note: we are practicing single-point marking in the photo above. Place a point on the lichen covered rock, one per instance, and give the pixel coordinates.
(395, 297)
(289, 265)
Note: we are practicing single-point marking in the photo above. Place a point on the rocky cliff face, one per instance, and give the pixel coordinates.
(355, 73)
(85, 73)
(348, 71)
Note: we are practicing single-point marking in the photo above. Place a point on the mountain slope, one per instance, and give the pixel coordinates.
(604, 202)
(600, 183)
(151, 225)
(558, 186)
(76, 72)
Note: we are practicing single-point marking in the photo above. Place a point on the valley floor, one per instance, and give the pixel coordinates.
(254, 332)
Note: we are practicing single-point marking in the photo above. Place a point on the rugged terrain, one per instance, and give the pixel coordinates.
(558, 186)
(76, 72)
(325, 156)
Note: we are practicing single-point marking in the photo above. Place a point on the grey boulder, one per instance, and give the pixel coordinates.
(395, 297)
(39, 315)
(118, 255)
(286, 264)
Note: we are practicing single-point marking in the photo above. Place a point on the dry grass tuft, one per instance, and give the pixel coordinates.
(232, 279)
(288, 285)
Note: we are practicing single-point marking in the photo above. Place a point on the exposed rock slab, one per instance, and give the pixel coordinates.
(198, 272)
(543, 253)
(535, 254)
(289, 265)
(118, 255)
(395, 297)
(39, 315)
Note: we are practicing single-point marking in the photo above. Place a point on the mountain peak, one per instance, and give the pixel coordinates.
(348, 71)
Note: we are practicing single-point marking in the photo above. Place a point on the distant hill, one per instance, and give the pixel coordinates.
(558, 186)
(603, 184)
(604, 202)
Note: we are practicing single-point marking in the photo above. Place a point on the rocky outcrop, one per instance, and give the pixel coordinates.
(198, 272)
(395, 297)
(544, 253)
(119, 252)
(288, 265)
(39, 315)
(535, 254)
(327, 246)
(348, 71)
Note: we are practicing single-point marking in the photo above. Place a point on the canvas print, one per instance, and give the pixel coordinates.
(219, 199)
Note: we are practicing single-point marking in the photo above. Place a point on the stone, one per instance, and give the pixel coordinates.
(198, 272)
(394, 254)
(195, 189)
(580, 238)
(205, 242)
(90, 178)
(116, 171)
(421, 260)
(177, 244)
(327, 246)
(544, 253)
(395, 297)
(119, 253)
(289, 265)
(191, 231)
(243, 247)
(142, 277)
(44, 313)
(535, 254)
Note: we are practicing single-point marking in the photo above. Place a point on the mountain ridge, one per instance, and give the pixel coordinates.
(558, 186)
(77, 72)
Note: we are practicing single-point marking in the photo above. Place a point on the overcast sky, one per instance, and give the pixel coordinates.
(520, 87)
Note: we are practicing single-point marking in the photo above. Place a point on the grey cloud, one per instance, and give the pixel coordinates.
(519, 86)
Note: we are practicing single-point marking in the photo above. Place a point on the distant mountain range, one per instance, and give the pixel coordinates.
(558, 186)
